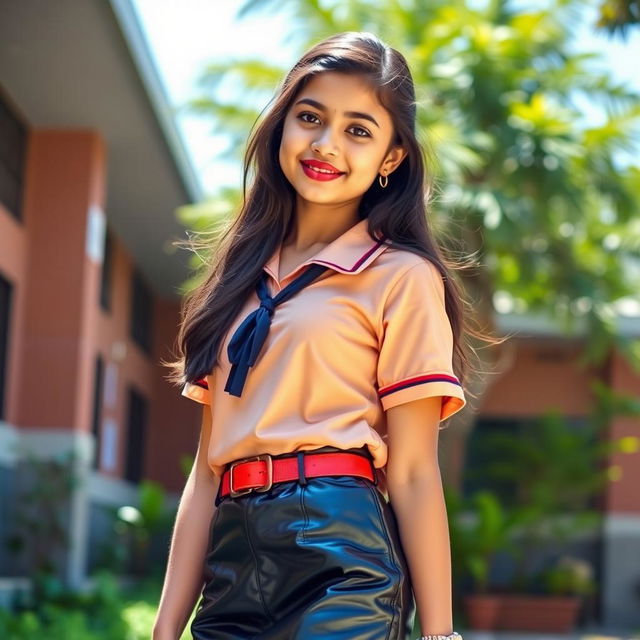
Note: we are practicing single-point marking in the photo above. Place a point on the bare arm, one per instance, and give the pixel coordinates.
(417, 498)
(183, 580)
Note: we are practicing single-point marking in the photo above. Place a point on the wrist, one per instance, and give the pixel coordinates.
(164, 633)
(163, 636)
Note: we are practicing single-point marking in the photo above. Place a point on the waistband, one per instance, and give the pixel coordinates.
(259, 473)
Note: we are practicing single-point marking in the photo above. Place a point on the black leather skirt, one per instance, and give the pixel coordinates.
(317, 561)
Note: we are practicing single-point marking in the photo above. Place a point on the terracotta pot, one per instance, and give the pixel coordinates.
(539, 613)
(482, 611)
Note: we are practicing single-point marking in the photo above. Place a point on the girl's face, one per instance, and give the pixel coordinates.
(336, 119)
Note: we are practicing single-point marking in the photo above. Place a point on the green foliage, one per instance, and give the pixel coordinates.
(553, 471)
(546, 199)
(38, 525)
(570, 576)
(207, 219)
(106, 612)
(475, 544)
(618, 16)
(547, 465)
(54, 611)
(135, 526)
(62, 614)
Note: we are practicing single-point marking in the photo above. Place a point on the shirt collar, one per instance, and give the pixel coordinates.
(349, 253)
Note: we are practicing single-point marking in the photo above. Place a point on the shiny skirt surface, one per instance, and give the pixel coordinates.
(315, 561)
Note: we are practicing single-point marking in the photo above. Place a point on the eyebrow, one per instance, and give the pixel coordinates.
(349, 114)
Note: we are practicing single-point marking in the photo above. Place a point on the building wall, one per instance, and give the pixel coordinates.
(541, 373)
(173, 421)
(57, 325)
(13, 267)
(52, 257)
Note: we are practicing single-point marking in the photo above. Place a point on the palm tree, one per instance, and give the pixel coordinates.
(544, 198)
(617, 16)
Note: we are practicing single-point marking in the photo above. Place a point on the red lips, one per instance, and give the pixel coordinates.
(311, 170)
(321, 165)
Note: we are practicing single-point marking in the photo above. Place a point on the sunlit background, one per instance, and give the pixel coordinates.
(185, 36)
(122, 130)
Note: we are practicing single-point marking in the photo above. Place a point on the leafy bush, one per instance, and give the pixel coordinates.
(106, 612)
(58, 613)
(570, 576)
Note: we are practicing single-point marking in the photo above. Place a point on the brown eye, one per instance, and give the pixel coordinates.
(306, 113)
(366, 133)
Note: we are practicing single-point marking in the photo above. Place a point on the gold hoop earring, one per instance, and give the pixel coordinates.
(386, 181)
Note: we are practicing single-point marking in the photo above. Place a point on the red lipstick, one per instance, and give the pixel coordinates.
(328, 171)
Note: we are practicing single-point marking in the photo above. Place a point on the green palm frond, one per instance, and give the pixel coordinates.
(539, 191)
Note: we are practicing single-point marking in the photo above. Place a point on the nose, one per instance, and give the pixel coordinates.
(324, 143)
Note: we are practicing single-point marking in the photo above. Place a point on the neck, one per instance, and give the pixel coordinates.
(318, 225)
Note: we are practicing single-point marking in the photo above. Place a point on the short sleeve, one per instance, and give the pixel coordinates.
(198, 391)
(416, 350)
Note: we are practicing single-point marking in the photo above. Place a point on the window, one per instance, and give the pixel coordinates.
(107, 269)
(13, 146)
(480, 457)
(98, 381)
(5, 311)
(141, 312)
(511, 456)
(136, 428)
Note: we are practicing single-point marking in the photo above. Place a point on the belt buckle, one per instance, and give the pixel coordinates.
(263, 456)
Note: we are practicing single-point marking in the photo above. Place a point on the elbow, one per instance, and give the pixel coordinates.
(421, 476)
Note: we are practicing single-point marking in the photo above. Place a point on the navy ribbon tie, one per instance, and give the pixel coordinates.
(246, 343)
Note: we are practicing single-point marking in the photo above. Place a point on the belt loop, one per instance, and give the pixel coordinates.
(219, 493)
(375, 472)
(302, 480)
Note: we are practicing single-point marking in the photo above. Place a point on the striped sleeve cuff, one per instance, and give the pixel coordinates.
(198, 391)
(424, 386)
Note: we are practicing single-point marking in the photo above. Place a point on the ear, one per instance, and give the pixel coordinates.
(393, 159)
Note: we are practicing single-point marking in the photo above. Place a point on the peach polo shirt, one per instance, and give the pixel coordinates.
(370, 333)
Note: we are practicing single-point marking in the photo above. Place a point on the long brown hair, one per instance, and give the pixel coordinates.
(399, 211)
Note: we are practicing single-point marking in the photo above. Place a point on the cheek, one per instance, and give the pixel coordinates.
(365, 162)
(290, 149)
(284, 153)
(289, 144)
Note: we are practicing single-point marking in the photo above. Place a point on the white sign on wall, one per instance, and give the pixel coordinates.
(96, 229)
(109, 445)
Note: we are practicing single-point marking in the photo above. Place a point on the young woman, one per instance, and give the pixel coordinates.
(326, 348)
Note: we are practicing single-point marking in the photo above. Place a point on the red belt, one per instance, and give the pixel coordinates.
(259, 473)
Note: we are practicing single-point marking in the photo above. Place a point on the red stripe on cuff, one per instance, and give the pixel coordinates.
(410, 382)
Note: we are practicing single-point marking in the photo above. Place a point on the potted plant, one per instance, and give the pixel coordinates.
(554, 472)
(547, 601)
(570, 576)
(475, 542)
(565, 584)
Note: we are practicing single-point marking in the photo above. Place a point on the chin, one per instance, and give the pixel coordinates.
(314, 199)
(318, 199)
